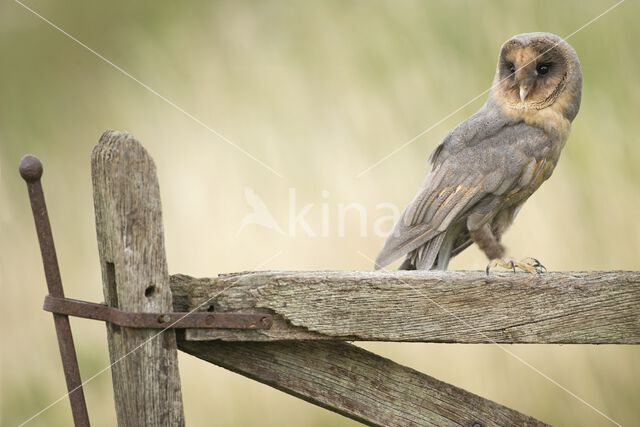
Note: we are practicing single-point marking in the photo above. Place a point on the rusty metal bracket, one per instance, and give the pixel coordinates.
(186, 320)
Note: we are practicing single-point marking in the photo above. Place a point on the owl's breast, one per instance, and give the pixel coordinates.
(551, 120)
(536, 172)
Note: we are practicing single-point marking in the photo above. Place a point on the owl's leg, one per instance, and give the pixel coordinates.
(495, 251)
(487, 242)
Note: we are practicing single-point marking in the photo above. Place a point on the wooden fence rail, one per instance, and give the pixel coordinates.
(450, 307)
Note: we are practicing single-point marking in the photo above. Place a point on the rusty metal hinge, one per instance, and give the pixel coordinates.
(184, 320)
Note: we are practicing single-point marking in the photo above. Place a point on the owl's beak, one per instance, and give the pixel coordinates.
(526, 80)
(524, 91)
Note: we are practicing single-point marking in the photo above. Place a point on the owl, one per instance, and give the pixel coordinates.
(489, 165)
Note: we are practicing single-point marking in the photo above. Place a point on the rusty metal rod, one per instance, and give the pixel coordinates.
(185, 320)
(31, 171)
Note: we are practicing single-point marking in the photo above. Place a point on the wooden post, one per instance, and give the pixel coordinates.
(146, 379)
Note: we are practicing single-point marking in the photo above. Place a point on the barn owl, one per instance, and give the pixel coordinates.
(489, 165)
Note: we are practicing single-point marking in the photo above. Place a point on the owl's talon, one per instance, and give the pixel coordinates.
(528, 265)
(537, 265)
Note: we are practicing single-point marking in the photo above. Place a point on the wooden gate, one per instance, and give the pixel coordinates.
(302, 348)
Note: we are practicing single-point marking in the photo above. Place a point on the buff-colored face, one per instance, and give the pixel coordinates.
(533, 72)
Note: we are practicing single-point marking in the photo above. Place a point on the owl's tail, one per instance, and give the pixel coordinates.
(433, 255)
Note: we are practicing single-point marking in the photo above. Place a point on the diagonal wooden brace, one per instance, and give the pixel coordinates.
(356, 383)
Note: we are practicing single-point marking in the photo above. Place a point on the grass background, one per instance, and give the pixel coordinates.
(318, 90)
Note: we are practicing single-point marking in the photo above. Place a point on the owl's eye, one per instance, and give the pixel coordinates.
(543, 68)
(511, 67)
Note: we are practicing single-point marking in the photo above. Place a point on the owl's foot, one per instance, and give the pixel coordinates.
(529, 265)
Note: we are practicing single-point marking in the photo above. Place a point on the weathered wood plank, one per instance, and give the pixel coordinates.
(146, 380)
(356, 383)
(460, 307)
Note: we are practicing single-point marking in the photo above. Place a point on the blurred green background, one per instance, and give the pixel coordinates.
(319, 91)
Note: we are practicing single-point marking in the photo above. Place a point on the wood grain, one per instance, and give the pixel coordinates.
(457, 307)
(145, 373)
(357, 384)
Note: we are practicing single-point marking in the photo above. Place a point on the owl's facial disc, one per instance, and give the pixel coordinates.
(531, 75)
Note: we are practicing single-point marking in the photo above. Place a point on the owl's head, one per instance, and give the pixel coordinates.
(536, 71)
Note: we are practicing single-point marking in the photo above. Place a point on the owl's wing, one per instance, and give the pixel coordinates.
(479, 162)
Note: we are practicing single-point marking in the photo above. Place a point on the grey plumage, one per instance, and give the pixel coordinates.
(492, 162)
